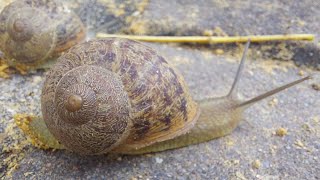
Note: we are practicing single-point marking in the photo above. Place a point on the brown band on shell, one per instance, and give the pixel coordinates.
(162, 107)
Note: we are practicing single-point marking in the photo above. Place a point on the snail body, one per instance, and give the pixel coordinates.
(32, 31)
(115, 92)
(119, 96)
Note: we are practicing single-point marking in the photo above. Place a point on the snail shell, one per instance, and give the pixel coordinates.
(32, 31)
(115, 93)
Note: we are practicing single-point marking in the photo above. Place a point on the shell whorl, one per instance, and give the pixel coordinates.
(93, 109)
(19, 29)
(160, 106)
(34, 30)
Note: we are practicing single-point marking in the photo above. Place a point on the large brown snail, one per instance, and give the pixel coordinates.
(32, 31)
(118, 95)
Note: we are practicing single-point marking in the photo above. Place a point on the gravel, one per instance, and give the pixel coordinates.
(295, 155)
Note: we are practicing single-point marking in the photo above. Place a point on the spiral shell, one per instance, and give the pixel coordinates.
(115, 93)
(32, 31)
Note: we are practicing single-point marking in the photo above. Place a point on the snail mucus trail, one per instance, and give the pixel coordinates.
(218, 117)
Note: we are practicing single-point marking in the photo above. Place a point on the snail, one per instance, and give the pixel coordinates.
(119, 96)
(33, 31)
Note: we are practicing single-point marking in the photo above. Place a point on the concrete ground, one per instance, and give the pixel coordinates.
(252, 151)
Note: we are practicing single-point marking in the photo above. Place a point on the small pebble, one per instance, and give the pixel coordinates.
(207, 32)
(306, 127)
(316, 86)
(48, 165)
(281, 132)
(299, 143)
(27, 173)
(256, 164)
(239, 175)
(235, 162)
(159, 160)
(301, 73)
(37, 79)
(219, 51)
(273, 102)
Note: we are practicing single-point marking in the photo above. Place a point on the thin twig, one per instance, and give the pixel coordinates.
(213, 39)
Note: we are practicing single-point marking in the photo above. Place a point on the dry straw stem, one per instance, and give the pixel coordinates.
(213, 39)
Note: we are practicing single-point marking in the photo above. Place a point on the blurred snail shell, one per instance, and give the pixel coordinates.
(32, 31)
(118, 95)
(114, 92)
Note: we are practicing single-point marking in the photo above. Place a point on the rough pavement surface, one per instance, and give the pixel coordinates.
(252, 151)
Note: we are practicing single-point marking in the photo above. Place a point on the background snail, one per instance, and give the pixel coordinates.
(117, 95)
(32, 31)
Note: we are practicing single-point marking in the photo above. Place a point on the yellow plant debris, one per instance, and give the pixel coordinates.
(281, 132)
(4, 70)
(14, 149)
(256, 164)
(23, 121)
